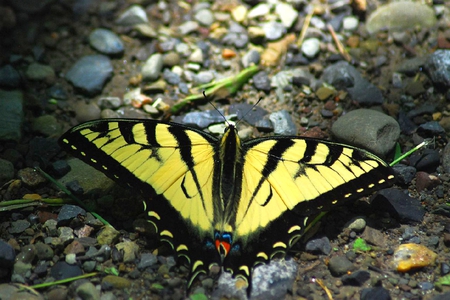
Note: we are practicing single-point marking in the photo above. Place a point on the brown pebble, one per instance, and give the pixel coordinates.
(75, 247)
(228, 53)
(425, 181)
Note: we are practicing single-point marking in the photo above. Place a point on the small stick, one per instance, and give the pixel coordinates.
(339, 44)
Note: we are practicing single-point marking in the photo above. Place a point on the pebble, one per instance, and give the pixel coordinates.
(204, 17)
(428, 160)
(273, 30)
(9, 77)
(201, 119)
(6, 171)
(375, 293)
(106, 41)
(283, 123)
(69, 212)
(18, 226)
(40, 72)
(250, 58)
(399, 16)
(62, 270)
(368, 129)
(239, 13)
(310, 47)
(237, 36)
(171, 77)
(87, 290)
(437, 66)
(171, 59)
(350, 23)
(109, 102)
(129, 249)
(90, 73)
(425, 181)
(132, 16)
(188, 27)
(116, 282)
(356, 278)
(373, 236)
(399, 205)
(319, 245)
(204, 77)
(356, 224)
(47, 125)
(108, 236)
(43, 251)
(344, 76)
(287, 14)
(340, 265)
(405, 174)
(412, 256)
(7, 255)
(56, 91)
(11, 112)
(147, 260)
(259, 10)
(152, 67)
(262, 82)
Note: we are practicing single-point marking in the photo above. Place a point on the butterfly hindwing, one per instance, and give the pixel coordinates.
(287, 179)
(171, 165)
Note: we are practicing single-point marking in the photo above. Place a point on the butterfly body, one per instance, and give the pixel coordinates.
(226, 202)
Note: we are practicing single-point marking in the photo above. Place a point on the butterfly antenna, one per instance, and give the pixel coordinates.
(210, 102)
(249, 111)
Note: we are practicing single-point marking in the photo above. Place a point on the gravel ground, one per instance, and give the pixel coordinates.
(384, 85)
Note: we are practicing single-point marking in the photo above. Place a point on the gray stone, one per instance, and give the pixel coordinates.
(90, 73)
(6, 171)
(368, 129)
(133, 16)
(152, 67)
(282, 123)
(106, 41)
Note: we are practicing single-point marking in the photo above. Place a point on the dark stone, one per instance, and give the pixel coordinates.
(60, 168)
(340, 265)
(375, 293)
(399, 205)
(7, 255)
(319, 245)
(428, 160)
(356, 278)
(406, 125)
(261, 81)
(62, 270)
(69, 212)
(405, 174)
(247, 112)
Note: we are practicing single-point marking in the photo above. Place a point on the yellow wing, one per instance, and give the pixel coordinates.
(171, 164)
(307, 175)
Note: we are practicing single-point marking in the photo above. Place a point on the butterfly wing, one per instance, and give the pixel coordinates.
(170, 163)
(285, 179)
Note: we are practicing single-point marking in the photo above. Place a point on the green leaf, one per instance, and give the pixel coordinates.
(198, 296)
(443, 281)
(361, 245)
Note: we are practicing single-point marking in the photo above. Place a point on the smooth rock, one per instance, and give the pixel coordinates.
(106, 41)
(133, 16)
(401, 15)
(367, 129)
(152, 67)
(90, 73)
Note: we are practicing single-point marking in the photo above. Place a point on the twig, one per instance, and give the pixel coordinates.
(339, 44)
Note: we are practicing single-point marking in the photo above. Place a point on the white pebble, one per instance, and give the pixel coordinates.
(350, 23)
(310, 47)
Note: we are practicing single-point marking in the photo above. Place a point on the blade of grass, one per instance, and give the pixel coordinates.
(219, 89)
